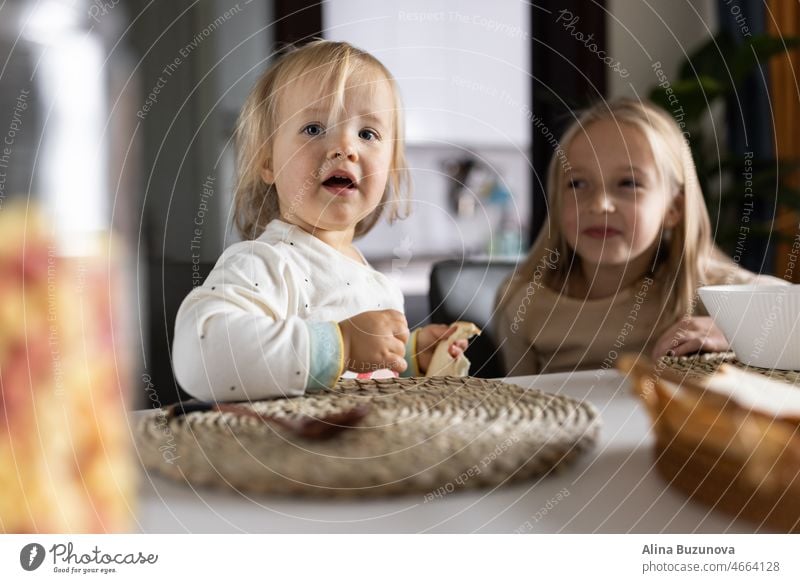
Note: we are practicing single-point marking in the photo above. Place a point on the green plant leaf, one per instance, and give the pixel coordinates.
(712, 72)
(710, 60)
(688, 100)
(756, 50)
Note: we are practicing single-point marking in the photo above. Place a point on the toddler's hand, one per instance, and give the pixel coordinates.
(696, 334)
(375, 340)
(429, 337)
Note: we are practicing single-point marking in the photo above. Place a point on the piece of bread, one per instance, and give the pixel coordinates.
(727, 389)
(442, 364)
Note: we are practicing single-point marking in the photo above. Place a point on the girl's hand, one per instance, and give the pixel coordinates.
(696, 334)
(375, 340)
(429, 337)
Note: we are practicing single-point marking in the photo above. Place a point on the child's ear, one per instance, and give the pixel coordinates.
(267, 175)
(675, 211)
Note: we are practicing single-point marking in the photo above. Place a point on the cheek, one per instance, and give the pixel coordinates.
(380, 157)
(379, 173)
(569, 216)
(383, 166)
(648, 222)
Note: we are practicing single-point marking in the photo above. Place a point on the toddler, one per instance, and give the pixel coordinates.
(320, 158)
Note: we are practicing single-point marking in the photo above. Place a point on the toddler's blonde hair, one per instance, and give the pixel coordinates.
(331, 64)
(685, 257)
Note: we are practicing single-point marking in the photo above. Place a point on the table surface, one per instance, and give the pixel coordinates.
(615, 488)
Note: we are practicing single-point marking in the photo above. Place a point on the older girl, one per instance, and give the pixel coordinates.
(627, 244)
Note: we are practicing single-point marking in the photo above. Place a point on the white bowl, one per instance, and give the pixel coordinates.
(761, 322)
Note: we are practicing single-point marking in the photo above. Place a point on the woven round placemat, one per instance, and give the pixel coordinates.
(708, 363)
(424, 435)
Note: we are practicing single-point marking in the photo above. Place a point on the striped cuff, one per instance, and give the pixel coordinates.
(411, 357)
(326, 355)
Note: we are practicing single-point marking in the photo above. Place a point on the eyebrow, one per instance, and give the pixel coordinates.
(626, 168)
(320, 112)
(375, 118)
(312, 111)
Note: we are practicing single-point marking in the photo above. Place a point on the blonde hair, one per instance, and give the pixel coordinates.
(332, 64)
(684, 261)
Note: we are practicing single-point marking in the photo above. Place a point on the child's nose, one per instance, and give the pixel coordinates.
(601, 202)
(342, 146)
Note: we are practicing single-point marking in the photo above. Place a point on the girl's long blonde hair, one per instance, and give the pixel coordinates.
(685, 256)
(331, 64)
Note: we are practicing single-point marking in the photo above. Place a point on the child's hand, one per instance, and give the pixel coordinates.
(697, 334)
(427, 339)
(375, 340)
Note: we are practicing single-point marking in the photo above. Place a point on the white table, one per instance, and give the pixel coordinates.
(613, 489)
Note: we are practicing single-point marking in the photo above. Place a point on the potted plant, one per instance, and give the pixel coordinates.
(734, 183)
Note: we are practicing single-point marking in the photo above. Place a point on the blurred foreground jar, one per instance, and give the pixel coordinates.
(65, 454)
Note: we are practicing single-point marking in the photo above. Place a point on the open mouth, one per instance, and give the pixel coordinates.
(339, 183)
(601, 232)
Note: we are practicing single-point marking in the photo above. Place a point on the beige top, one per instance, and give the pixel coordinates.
(543, 331)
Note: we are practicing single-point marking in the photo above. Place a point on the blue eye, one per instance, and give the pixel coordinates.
(576, 183)
(313, 130)
(629, 183)
(368, 135)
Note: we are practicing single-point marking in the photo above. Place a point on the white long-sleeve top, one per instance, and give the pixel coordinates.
(265, 322)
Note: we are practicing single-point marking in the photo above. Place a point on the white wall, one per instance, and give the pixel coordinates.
(462, 66)
(463, 72)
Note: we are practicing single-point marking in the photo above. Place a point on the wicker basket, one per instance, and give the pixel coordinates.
(730, 457)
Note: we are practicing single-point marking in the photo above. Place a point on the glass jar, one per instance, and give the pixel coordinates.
(65, 365)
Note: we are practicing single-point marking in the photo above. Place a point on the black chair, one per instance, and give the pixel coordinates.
(169, 284)
(465, 290)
